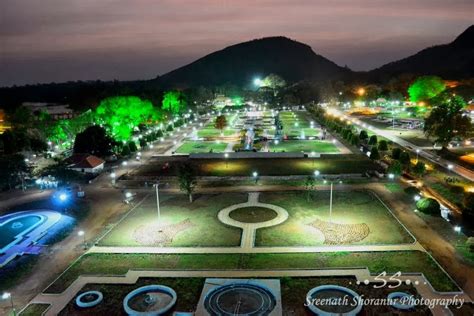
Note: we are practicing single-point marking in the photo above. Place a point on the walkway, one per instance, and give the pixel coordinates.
(249, 229)
(59, 301)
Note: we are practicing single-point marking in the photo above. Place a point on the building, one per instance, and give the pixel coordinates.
(3, 122)
(56, 111)
(85, 163)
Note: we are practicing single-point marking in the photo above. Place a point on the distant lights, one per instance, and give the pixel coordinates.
(457, 229)
(417, 198)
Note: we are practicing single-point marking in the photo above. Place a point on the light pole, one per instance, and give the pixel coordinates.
(7, 295)
(312, 155)
(226, 156)
(158, 204)
(82, 234)
(255, 175)
(330, 196)
(113, 175)
(417, 153)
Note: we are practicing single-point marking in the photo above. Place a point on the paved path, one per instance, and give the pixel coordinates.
(59, 301)
(249, 229)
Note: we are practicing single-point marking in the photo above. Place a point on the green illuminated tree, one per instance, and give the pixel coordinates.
(425, 88)
(174, 102)
(448, 120)
(121, 115)
(274, 82)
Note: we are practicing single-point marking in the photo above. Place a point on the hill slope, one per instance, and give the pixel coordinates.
(453, 60)
(240, 63)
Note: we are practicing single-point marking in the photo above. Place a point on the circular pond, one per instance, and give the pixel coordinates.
(89, 299)
(333, 299)
(253, 214)
(149, 300)
(240, 299)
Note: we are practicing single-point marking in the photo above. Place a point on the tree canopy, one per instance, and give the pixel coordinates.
(94, 140)
(425, 88)
(174, 102)
(121, 115)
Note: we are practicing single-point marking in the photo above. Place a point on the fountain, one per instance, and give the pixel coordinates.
(345, 302)
(249, 137)
(89, 299)
(150, 300)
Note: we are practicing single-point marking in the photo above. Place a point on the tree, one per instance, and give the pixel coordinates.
(363, 135)
(396, 152)
(13, 170)
(428, 206)
(405, 159)
(61, 172)
(383, 146)
(173, 101)
(132, 146)
(94, 140)
(221, 122)
(425, 88)
(121, 115)
(419, 169)
(374, 153)
(309, 185)
(395, 168)
(373, 140)
(448, 120)
(274, 82)
(468, 203)
(187, 180)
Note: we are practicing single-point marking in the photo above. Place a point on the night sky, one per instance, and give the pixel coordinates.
(60, 40)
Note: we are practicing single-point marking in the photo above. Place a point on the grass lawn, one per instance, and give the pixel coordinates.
(253, 214)
(214, 132)
(296, 132)
(187, 289)
(377, 262)
(204, 230)
(201, 147)
(334, 164)
(305, 146)
(349, 207)
(34, 310)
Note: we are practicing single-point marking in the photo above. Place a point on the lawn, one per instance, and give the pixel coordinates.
(376, 262)
(253, 214)
(34, 310)
(305, 146)
(354, 207)
(201, 147)
(199, 220)
(333, 164)
(210, 131)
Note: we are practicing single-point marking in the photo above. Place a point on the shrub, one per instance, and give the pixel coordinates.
(404, 159)
(125, 150)
(395, 168)
(468, 202)
(363, 135)
(374, 154)
(429, 206)
(159, 133)
(419, 169)
(142, 142)
(132, 146)
(383, 146)
(412, 191)
(169, 128)
(373, 140)
(396, 153)
(355, 140)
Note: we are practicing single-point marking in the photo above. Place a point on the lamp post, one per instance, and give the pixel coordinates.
(7, 295)
(113, 175)
(312, 155)
(158, 204)
(226, 156)
(330, 196)
(82, 234)
(255, 175)
(417, 153)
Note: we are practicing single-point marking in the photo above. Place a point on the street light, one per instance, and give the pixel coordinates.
(417, 152)
(226, 155)
(6, 296)
(417, 198)
(457, 229)
(316, 173)
(82, 234)
(124, 163)
(113, 175)
(255, 175)
(158, 205)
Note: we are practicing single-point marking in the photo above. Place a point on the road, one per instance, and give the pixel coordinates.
(420, 150)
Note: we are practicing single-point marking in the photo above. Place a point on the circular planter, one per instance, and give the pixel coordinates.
(149, 288)
(85, 304)
(397, 300)
(349, 309)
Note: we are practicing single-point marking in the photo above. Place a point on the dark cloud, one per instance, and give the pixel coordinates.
(56, 40)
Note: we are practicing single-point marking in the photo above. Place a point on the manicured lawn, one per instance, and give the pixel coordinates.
(34, 310)
(305, 146)
(203, 230)
(201, 147)
(349, 207)
(334, 164)
(187, 289)
(253, 214)
(377, 262)
(213, 132)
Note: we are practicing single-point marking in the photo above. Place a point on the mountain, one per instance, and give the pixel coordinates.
(239, 64)
(454, 60)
